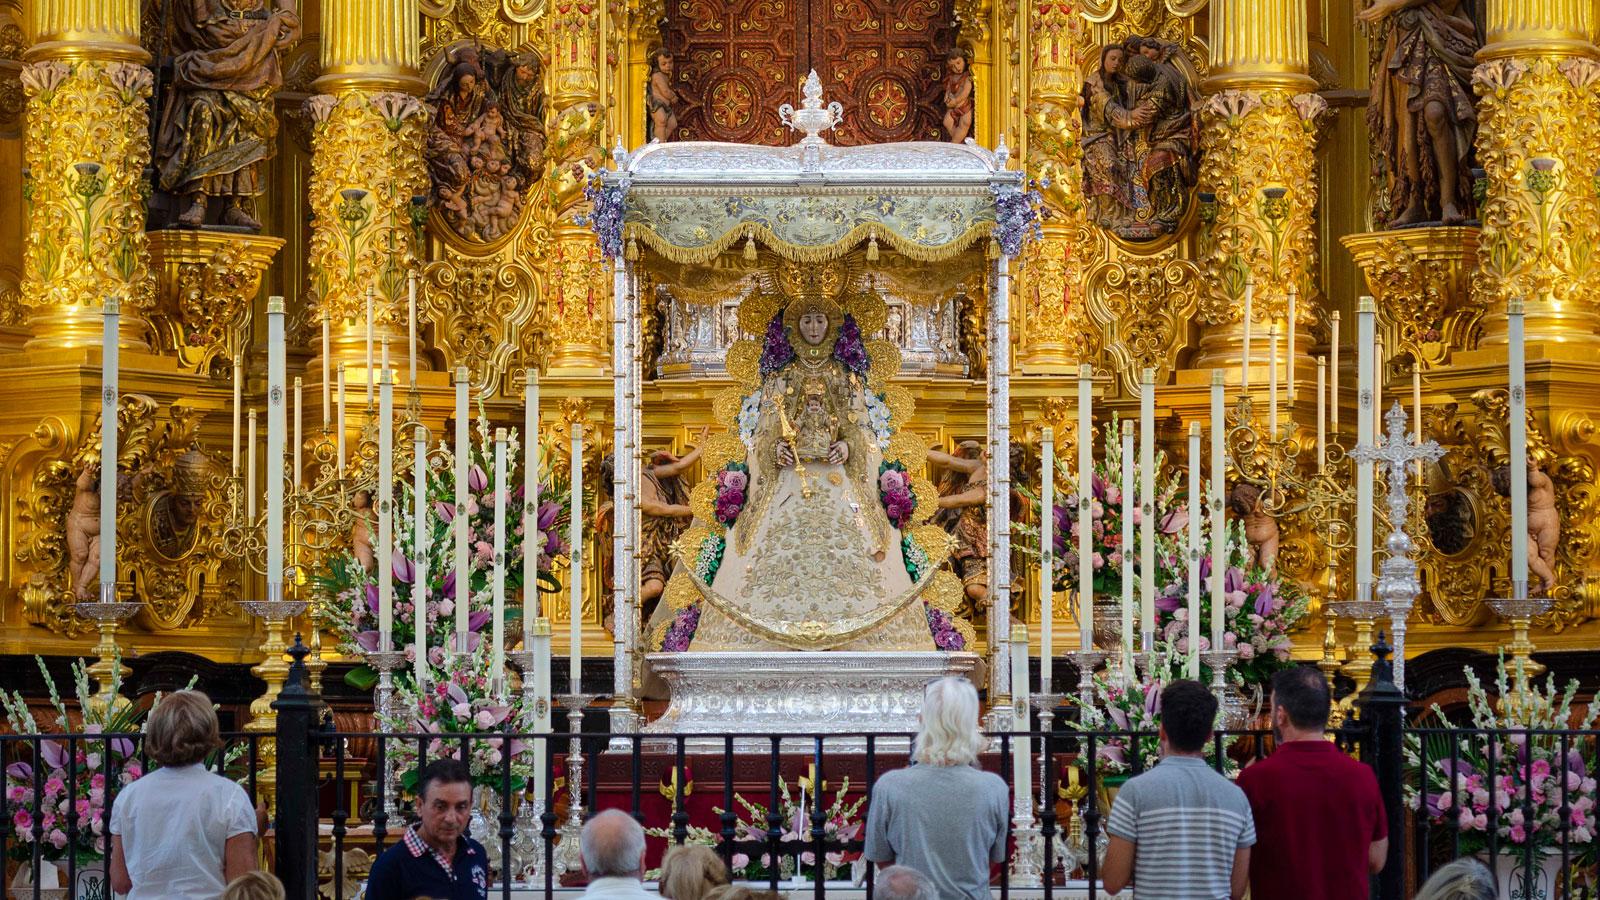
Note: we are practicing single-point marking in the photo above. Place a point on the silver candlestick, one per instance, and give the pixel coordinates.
(1027, 860)
(386, 663)
(568, 855)
(1398, 586)
(1088, 661)
(528, 856)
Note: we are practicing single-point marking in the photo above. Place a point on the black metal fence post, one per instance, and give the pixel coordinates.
(1383, 708)
(296, 827)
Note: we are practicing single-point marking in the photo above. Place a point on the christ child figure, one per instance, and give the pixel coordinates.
(83, 533)
(816, 429)
(663, 99)
(1544, 526)
(957, 96)
(1260, 529)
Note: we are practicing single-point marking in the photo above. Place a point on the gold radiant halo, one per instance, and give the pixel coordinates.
(884, 361)
(687, 546)
(725, 407)
(901, 405)
(756, 312)
(909, 450)
(721, 449)
(703, 502)
(681, 592)
(944, 591)
(744, 363)
(927, 500)
(869, 311)
(937, 543)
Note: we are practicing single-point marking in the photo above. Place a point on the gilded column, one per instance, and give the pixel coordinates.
(577, 307)
(86, 146)
(1053, 279)
(1258, 186)
(368, 190)
(1538, 85)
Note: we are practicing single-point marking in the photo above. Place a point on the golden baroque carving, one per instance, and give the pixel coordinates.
(205, 284)
(367, 172)
(576, 312)
(1258, 141)
(169, 520)
(85, 152)
(1421, 279)
(478, 308)
(1142, 307)
(1539, 227)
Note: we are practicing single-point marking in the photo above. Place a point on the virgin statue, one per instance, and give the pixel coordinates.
(814, 504)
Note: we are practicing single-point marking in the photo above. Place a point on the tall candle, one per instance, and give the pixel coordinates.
(369, 350)
(1333, 379)
(1249, 314)
(1322, 413)
(542, 710)
(1085, 509)
(382, 506)
(1047, 537)
(1366, 395)
(1196, 504)
(338, 430)
(1294, 296)
(575, 576)
(1219, 522)
(1021, 745)
(277, 366)
(249, 466)
(1416, 414)
(110, 397)
(420, 593)
(1518, 441)
(327, 375)
(497, 662)
(530, 509)
(297, 433)
(1129, 493)
(411, 328)
(1147, 506)
(1272, 381)
(463, 452)
(238, 390)
(1380, 372)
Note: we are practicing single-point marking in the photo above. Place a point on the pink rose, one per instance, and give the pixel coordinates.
(483, 551)
(734, 479)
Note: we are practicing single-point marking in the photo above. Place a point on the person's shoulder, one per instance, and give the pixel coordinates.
(392, 856)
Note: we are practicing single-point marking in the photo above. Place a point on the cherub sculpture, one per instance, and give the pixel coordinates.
(1260, 529)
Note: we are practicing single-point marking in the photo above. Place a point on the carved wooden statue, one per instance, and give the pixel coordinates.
(1260, 529)
(1421, 111)
(1544, 523)
(218, 126)
(963, 499)
(957, 95)
(664, 503)
(662, 99)
(83, 534)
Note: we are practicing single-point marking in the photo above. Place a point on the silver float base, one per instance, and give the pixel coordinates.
(797, 693)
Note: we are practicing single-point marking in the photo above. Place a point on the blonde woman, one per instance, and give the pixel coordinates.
(257, 885)
(181, 832)
(942, 816)
(690, 872)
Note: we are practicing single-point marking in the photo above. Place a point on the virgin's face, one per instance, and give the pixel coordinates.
(1113, 62)
(813, 326)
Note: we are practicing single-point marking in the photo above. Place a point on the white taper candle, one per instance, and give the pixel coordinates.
(531, 543)
(238, 408)
(542, 710)
(1366, 395)
(420, 594)
(1249, 316)
(1021, 745)
(1333, 376)
(1322, 413)
(497, 662)
(298, 435)
(277, 371)
(371, 375)
(1147, 510)
(411, 329)
(1129, 503)
(1047, 538)
(338, 430)
(1517, 440)
(1197, 505)
(1219, 521)
(327, 375)
(383, 507)
(463, 455)
(110, 396)
(575, 575)
(1085, 508)
(1272, 382)
(249, 466)
(1294, 297)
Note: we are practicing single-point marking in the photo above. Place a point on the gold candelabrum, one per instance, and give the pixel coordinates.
(1520, 611)
(108, 671)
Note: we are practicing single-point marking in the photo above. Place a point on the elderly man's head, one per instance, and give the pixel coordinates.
(903, 883)
(613, 846)
(949, 735)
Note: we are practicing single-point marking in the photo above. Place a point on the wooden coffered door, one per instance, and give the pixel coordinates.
(737, 61)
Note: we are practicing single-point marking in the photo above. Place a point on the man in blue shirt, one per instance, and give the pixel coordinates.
(435, 858)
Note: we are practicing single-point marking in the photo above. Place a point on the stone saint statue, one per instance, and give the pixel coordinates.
(218, 127)
(1260, 529)
(662, 99)
(957, 95)
(963, 511)
(664, 501)
(1421, 112)
(1544, 522)
(83, 534)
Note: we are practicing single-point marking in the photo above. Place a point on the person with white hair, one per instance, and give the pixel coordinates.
(613, 856)
(942, 816)
(904, 883)
(1463, 879)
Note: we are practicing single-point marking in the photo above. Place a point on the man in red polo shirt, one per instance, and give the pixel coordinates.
(1320, 824)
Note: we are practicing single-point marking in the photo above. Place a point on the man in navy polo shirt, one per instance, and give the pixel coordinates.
(435, 858)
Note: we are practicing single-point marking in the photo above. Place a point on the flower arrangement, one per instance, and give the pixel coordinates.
(796, 857)
(346, 597)
(945, 634)
(1018, 215)
(1261, 611)
(460, 700)
(74, 775)
(894, 490)
(733, 484)
(849, 349)
(607, 207)
(1519, 788)
(1130, 712)
(776, 351)
(681, 632)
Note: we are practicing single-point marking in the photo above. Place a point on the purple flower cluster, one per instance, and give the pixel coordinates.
(945, 635)
(733, 483)
(605, 217)
(894, 488)
(682, 630)
(848, 349)
(776, 352)
(1017, 217)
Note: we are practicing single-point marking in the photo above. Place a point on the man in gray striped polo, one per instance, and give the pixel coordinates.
(1181, 831)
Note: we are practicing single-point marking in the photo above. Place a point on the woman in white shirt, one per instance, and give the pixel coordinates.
(181, 832)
